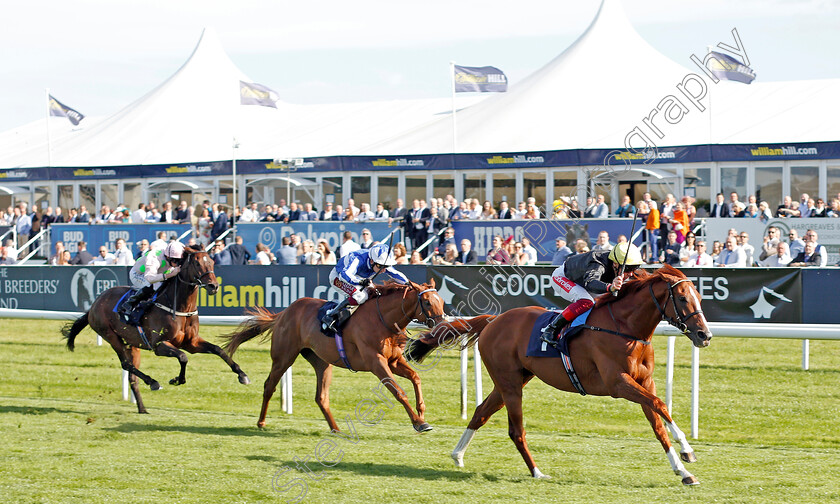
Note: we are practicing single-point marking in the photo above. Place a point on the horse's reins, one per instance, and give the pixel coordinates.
(197, 281)
(402, 308)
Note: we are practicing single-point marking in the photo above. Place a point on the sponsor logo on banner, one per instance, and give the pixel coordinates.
(398, 162)
(762, 308)
(190, 169)
(784, 151)
(96, 172)
(516, 159)
(86, 285)
(13, 174)
(444, 290)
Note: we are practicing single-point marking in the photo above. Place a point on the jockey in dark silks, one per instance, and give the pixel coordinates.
(354, 272)
(595, 272)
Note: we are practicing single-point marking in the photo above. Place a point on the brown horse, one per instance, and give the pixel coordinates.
(374, 338)
(171, 324)
(612, 357)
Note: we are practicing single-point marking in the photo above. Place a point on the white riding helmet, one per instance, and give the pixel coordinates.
(174, 250)
(380, 254)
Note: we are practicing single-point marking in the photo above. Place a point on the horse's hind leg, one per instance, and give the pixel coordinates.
(125, 356)
(483, 412)
(198, 345)
(323, 372)
(511, 392)
(135, 361)
(165, 349)
(401, 368)
(280, 362)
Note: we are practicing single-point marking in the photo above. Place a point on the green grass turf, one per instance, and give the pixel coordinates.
(768, 432)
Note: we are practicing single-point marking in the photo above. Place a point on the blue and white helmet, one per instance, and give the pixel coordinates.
(380, 254)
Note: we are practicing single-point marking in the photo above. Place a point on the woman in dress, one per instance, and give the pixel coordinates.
(488, 212)
(203, 228)
(400, 254)
(325, 255)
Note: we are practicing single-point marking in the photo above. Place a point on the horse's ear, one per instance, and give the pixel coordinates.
(432, 283)
(190, 250)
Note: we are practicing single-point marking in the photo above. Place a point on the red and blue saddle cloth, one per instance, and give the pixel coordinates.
(336, 333)
(539, 348)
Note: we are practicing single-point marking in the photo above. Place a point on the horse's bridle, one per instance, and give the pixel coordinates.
(196, 281)
(680, 321)
(410, 316)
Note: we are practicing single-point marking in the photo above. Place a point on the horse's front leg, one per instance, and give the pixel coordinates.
(198, 345)
(401, 368)
(379, 366)
(165, 349)
(655, 411)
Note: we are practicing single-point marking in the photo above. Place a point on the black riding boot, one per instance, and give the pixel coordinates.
(128, 306)
(331, 317)
(550, 332)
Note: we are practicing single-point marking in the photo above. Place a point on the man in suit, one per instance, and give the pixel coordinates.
(504, 210)
(220, 222)
(182, 215)
(732, 256)
(308, 214)
(719, 209)
(466, 256)
(808, 257)
(328, 214)
(294, 213)
(82, 256)
(398, 214)
(238, 253)
(83, 216)
(420, 217)
(168, 215)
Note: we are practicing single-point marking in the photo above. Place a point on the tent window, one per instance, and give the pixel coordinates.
(87, 197)
(699, 179)
(415, 188)
(768, 186)
(833, 182)
(360, 190)
(504, 189)
(734, 180)
(387, 193)
(443, 185)
(804, 179)
(475, 186)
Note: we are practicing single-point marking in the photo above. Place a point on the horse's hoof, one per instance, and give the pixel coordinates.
(175, 381)
(423, 427)
(688, 457)
(690, 481)
(143, 412)
(155, 386)
(243, 379)
(537, 474)
(261, 424)
(458, 458)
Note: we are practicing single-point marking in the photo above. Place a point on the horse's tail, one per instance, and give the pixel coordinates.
(447, 335)
(259, 321)
(72, 329)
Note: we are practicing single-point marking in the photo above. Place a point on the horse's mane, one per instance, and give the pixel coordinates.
(640, 280)
(389, 287)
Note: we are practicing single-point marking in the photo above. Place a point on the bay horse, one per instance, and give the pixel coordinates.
(169, 326)
(612, 356)
(374, 338)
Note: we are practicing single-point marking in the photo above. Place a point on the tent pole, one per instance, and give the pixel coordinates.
(49, 143)
(454, 121)
(233, 158)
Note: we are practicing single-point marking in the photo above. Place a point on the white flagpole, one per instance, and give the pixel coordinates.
(233, 158)
(454, 120)
(49, 144)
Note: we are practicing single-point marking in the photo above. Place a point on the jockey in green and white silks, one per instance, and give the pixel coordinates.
(149, 272)
(354, 272)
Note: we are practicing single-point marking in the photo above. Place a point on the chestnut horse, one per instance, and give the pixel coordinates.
(613, 357)
(168, 325)
(374, 338)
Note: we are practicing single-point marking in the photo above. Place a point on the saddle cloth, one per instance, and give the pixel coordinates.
(139, 310)
(539, 348)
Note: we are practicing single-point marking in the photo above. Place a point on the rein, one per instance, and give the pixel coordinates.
(195, 282)
(411, 316)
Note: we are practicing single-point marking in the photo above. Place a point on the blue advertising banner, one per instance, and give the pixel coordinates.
(96, 235)
(541, 233)
(270, 233)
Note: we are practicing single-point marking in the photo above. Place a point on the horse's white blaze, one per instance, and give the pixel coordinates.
(697, 300)
(461, 447)
(677, 465)
(679, 436)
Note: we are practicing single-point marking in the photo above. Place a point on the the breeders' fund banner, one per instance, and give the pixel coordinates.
(58, 288)
(541, 233)
(727, 295)
(270, 233)
(96, 235)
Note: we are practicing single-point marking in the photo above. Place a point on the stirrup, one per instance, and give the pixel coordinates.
(549, 338)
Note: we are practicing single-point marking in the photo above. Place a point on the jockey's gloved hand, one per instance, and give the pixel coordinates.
(365, 283)
(172, 272)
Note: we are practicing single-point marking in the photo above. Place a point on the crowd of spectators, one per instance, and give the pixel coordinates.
(668, 230)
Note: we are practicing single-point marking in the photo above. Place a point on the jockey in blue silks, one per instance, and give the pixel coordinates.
(354, 272)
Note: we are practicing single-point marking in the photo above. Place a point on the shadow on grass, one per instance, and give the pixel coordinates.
(389, 470)
(214, 431)
(35, 410)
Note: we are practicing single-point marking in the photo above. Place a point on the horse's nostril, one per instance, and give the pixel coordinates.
(703, 335)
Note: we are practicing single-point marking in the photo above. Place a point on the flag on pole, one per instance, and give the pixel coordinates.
(251, 93)
(728, 68)
(59, 109)
(479, 79)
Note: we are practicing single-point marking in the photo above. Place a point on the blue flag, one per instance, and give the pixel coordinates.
(479, 79)
(59, 109)
(728, 68)
(256, 94)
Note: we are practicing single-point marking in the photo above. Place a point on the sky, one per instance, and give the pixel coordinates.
(98, 56)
